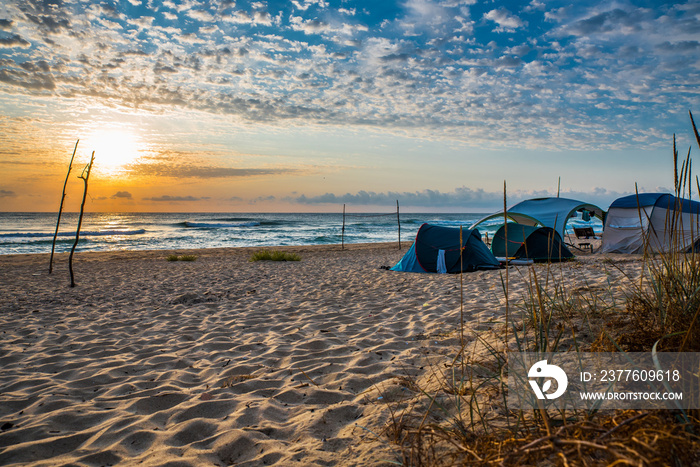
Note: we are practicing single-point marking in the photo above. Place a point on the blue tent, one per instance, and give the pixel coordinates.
(437, 249)
(547, 212)
(527, 242)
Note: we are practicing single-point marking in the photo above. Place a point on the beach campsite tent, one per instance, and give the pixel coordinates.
(529, 242)
(660, 221)
(547, 212)
(437, 249)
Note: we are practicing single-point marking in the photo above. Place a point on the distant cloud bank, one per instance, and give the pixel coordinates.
(176, 199)
(462, 197)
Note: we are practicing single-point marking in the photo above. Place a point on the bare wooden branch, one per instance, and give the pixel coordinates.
(84, 177)
(60, 208)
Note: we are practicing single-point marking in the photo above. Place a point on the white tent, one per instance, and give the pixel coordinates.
(659, 221)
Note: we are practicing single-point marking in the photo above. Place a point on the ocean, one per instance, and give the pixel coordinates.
(22, 233)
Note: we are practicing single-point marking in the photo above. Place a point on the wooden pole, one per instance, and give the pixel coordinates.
(342, 233)
(505, 232)
(84, 176)
(558, 186)
(461, 291)
(398, 220)
(60, 208)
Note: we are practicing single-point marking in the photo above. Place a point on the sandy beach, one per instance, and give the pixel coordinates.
(222, 361)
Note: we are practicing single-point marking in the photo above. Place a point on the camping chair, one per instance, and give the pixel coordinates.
(585, 233)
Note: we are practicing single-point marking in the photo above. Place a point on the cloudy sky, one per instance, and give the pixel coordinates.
(304, 105)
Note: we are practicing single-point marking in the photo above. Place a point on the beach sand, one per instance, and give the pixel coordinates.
(221, 361)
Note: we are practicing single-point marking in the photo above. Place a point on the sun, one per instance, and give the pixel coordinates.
(115, 149)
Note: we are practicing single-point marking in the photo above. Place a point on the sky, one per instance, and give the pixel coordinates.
(306, 105)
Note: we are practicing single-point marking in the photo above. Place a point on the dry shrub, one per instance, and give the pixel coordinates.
(616, 438)
(667, 311)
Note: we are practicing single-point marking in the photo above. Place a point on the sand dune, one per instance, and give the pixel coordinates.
(221, 361)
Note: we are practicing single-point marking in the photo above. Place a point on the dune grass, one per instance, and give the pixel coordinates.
(458, 413)
(181, 258)
(274, 255)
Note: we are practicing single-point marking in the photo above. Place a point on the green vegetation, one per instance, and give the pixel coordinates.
(267, 255)
(181, 258)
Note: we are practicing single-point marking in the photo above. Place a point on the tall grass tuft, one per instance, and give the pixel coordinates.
(181, 258)
(267, 255)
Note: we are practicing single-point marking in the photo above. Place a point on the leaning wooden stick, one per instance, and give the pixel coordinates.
(60, 208)
(84, 176)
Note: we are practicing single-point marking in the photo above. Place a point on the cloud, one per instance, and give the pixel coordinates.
(201, 15)
(304, 5)
(14, 41)
(519, 50)
(181, 6)
(176, 199)
(425, 8)
(143, 22)
(50, 24)
(31, 81)
(262, 199)
(96, 11)
(427, 12)
(46, 16)
(5, 24)
(679, 47)
(202, 171)
(507, 62)
(505, 20)
(7, 194)
(435, 19)
(160, 68)
(41, 65)
(122, 194)
(618, 21)
(558, 15)
(310, 26)
(256, 17)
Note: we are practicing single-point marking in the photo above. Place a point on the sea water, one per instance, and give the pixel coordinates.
(33, 232)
